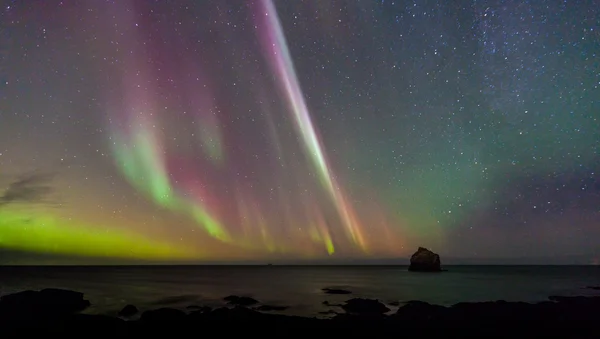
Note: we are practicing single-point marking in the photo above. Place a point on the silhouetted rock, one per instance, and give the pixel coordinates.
(516, 313)
(335, 291)
(365, 306)
(162, 315)
(424, 260)
(236, 312)
(47, 302)
(94, 324)
(240, 301)
(267, 308)
(419, 311)
(128, 311)
(559, 317)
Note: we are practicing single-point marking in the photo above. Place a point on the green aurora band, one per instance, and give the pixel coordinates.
(48, 234)
(142, 164)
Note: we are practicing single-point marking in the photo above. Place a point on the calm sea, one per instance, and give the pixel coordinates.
(299, 287)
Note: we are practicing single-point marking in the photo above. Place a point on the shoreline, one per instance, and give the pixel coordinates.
(55, 311)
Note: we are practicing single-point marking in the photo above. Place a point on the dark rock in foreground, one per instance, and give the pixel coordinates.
(419, 311)
(240, 301)
(128, 311)
(50, 302)
(365, 306)
(41, 314)
(424, 260)
(335, 291)
(163, 315)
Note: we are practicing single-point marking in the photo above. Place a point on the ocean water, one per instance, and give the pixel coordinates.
(299, 287)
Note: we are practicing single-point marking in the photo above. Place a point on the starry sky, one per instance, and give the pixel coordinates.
(272, 130)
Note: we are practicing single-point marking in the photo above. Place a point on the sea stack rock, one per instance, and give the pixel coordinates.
(423, 260)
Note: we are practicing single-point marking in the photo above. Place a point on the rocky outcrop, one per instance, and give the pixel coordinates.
(559, 317)
(424, 260)
(163, 315)
(49, 302)
(365, 307)
(128, 311)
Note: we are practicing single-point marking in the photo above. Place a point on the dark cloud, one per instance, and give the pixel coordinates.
(30, 188)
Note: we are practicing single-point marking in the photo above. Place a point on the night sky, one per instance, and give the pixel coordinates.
(260, 130)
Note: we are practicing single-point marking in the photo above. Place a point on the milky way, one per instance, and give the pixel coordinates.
(301, 129)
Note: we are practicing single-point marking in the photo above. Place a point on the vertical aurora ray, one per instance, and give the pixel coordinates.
(141, 163)
(319, 231)
(279, 56)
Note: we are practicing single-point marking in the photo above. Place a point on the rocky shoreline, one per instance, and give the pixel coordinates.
(55, 311)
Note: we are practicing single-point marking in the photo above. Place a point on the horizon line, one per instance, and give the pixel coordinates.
(283, 265)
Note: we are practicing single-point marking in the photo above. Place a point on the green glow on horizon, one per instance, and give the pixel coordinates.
(49, 234)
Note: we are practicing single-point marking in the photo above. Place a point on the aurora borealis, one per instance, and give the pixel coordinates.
(266, 130)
